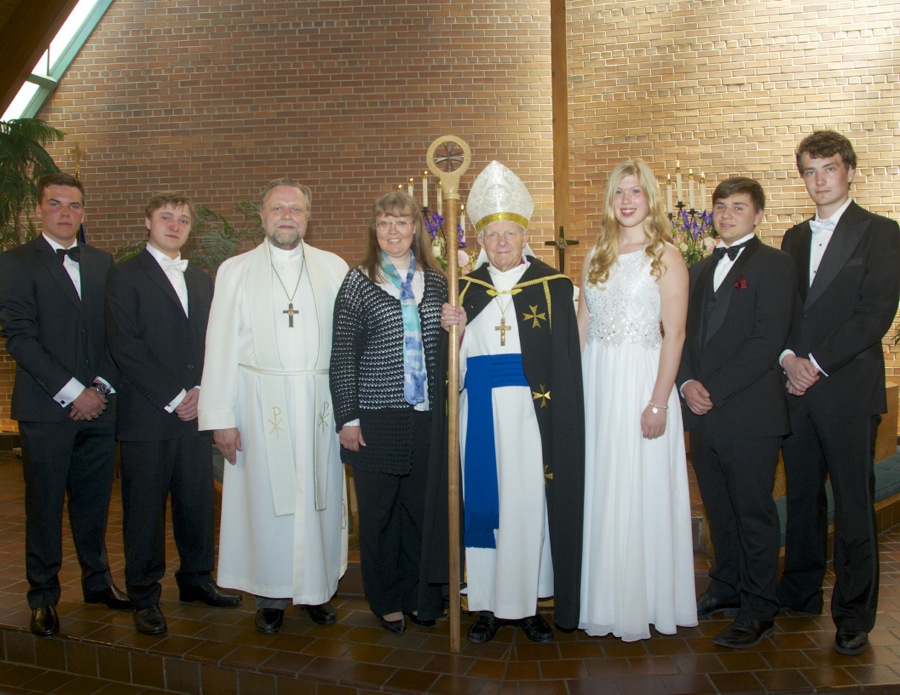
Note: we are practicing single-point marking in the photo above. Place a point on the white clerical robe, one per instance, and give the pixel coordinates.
(509, 579)
(283, 531)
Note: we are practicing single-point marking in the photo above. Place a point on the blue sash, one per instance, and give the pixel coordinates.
(482, 499)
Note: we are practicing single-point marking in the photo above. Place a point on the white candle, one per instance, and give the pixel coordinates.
(679, 189)
(691, 188)
(462, 218)
(424, 189)
(411, 188)
(671, 207)
(703, 190)
(399, 188)
(440, 197)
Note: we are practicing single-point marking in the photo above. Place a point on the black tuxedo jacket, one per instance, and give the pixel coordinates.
(843, 316)
(158, 349)
(734, 337)
(52, 334)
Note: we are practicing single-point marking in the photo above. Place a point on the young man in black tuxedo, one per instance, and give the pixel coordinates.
(51, 313)
(848, 261)
(739, 316)
(157, 308)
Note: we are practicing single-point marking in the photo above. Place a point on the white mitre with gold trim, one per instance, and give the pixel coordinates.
(498, 194)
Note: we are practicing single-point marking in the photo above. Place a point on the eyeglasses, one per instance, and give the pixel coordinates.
(508, 235)
(400, 225)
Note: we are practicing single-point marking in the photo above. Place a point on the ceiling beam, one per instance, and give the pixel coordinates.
(24, 38)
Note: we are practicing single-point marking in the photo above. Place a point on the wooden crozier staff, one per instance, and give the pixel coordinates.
(443, 156)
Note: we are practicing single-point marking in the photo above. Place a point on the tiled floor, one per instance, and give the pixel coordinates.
(217, 651)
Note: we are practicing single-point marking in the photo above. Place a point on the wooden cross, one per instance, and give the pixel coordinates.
(290, 311)
(561, 243)
(502, 328)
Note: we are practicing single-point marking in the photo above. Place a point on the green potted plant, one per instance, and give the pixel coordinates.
(23, 160)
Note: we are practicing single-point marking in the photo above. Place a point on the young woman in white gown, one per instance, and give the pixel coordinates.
(637, 567)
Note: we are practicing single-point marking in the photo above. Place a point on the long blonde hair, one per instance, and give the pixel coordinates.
(657, 227)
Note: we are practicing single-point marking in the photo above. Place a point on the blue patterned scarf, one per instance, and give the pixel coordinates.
(413, 350)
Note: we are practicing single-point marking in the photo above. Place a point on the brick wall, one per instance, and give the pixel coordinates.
(219, 97)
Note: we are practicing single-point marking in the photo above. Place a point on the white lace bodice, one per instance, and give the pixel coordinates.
(626, 309)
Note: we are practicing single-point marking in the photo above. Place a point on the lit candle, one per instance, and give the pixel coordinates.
(424, 189)
(411, 188)
(703, 190)
(399, 188)
(671, 207)
(679, 190)
(462, 218)
(440, 197)
(691, 188)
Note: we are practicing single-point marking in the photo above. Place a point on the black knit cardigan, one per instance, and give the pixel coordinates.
(366, 373)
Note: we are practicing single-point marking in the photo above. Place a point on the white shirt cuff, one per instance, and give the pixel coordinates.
(68, 393)
(816, 365)
(175, 402)
(784, 354)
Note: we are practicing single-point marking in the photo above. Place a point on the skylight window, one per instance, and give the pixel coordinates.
(56, 60)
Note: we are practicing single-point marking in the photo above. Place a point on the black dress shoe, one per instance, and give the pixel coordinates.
(268, 620)
(323, 614)
(211, 594)
(398, 627)
(744, 632)
(536, 628)
(484, 628)
(847, 641)
(44, 621)
(150, 620)
(112, 597)
(416, 620)
(708, 605)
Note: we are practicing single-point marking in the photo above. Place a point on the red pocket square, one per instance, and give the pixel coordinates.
(740, 283)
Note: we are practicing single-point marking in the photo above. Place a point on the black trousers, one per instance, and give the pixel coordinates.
(74, 459)
(736, 476)
(844, 449)
(391, 513)
(151, 471)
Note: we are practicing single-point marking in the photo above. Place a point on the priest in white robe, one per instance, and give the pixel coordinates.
(521, 422)
(265, 394)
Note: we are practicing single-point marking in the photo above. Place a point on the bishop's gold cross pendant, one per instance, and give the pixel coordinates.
(290, 311)
(502, 328)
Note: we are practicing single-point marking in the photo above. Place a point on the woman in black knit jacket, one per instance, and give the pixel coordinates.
(386, 326)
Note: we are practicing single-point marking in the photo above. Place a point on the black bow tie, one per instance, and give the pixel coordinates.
(731, 251)
(74, 253)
